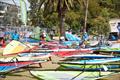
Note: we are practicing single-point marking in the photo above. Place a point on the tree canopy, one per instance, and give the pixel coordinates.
(99, 13)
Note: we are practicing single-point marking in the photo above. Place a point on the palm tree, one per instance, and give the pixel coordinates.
(59, 6)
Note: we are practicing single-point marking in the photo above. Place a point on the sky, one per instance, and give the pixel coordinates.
(17, 2)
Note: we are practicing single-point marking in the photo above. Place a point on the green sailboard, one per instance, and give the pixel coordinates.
(67, 75)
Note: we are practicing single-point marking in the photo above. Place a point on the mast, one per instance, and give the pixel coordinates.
(86, 14)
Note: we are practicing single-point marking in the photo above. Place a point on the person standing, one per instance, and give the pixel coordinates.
(2, 40)
(118, 27)
(15, 36)
(44, 35)
(51, 34)
(85, 36)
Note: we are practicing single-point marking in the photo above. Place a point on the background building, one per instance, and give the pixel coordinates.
(9, 14)
(114, 32)
(113, 25)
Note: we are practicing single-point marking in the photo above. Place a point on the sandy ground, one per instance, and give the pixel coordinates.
(24, 74)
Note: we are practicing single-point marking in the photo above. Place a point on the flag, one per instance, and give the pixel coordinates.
(23, 10)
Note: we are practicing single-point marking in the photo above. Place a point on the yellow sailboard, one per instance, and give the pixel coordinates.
(15, 47)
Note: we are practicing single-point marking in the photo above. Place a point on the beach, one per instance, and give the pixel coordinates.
(35, 36)
(24, 74)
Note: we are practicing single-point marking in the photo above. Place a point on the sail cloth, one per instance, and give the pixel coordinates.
(23, 10)
(67, 75)
(71, 37)
(30, 40)
(70, 43)
(9, 66)
(93, 61)
(15, 47)
(48, 37)
(36, 33)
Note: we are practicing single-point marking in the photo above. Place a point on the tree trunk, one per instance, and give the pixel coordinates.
(61, 26)
(61, 16)
(62, 20)
(86, 14)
